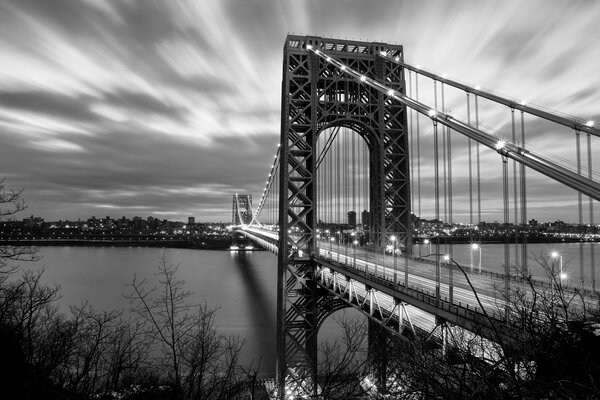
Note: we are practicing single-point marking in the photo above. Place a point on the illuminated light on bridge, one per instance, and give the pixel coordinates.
(329, 151)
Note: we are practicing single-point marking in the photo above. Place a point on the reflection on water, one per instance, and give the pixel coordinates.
(241, 285)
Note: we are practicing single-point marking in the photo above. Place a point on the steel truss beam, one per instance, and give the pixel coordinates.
(396, 318)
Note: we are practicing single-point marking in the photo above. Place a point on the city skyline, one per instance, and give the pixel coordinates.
(168, 109)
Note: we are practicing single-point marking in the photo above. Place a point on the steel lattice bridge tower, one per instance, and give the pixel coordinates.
(241, 213)
(317, 95)
(359, 89)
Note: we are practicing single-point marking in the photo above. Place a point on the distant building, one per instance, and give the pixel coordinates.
(352, 218)
(366, 219)
(32, 222)
(534, 222)
(191, 220)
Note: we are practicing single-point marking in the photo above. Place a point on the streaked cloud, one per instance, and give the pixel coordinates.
(170, 107)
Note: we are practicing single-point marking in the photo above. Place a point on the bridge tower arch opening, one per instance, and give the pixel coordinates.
(317, 96)
(344, 216)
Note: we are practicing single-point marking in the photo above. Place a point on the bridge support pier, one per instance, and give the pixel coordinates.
(381, 347)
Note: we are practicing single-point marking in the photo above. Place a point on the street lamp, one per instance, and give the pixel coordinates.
(331, 240)
(393, 239)
(355, 242)
(561, 274)
(475, 247)
(427, 241)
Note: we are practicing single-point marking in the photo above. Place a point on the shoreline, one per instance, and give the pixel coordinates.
(177, 244)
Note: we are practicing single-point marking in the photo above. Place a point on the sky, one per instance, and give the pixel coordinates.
(168, 108)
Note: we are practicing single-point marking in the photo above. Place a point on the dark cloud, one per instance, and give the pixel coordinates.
(51, 104)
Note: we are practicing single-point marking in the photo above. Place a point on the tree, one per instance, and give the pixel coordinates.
(546, 344)
(342, 363)
(196, 360)
(11, 203)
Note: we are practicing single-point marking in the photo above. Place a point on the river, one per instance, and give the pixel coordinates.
(242, 285)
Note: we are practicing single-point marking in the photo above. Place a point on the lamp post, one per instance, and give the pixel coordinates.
(393, 239)
(331, 240)
(339, 241)
(355, 242)
(561, 274)
(475, 247)
(427, 241)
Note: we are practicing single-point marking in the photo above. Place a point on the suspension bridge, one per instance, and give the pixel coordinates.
(372, 150)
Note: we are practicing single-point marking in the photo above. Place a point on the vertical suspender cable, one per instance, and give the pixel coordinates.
(524, 267)
(418, 149)
(515, 204)
(355, 172)
(359, 193)
(329, 196)
(591, 206)
(445, 178)
(366, 183)
(412, 153)
(470, 166)
(579, 206)
(478, 164)
(506, 220)
(349, 169)
(447, 216)
(339, 191)
(437, 209)
(320, 202)
(449, 158)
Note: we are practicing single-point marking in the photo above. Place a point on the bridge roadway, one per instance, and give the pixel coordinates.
(376, 284)
(403, 292)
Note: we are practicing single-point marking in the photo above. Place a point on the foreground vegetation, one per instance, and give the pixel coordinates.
(547, 346)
